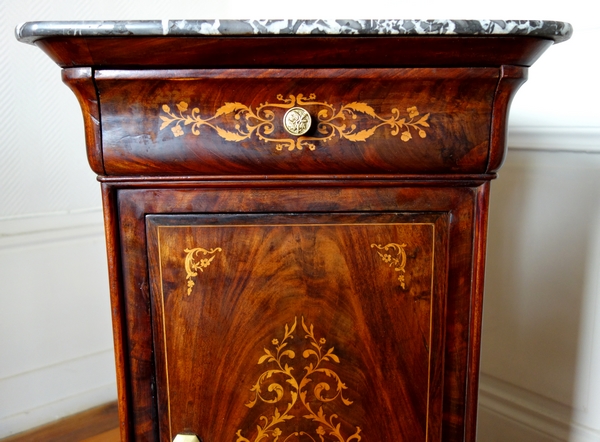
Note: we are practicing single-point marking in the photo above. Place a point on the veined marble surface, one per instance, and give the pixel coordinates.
(32, 31)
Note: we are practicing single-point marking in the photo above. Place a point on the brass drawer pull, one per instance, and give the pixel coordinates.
(297, 121)
(186, 438)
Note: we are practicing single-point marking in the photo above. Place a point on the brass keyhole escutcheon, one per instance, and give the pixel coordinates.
(297, 121)
(186, 438)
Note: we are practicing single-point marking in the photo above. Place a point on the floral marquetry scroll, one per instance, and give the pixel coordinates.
(355, 121)
(394, 255)
(296, 387)
(197, 259)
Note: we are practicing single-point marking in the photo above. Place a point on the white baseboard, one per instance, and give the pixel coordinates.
(495, 427)
(36, 229)
(39, 318)
(50, 393)
(562, 139)
(510, 413)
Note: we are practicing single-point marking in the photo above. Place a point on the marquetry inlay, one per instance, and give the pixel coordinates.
(355, 121)
(394, 255)
(279, 360)
(193, 264)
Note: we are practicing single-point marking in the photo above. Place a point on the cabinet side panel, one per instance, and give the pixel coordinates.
(119, 319)
(479, 248)
(138, 345)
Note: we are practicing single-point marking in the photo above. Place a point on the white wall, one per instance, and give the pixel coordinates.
(541, 343)
(541, 339)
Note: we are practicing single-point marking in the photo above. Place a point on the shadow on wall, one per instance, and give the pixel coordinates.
(539, 308)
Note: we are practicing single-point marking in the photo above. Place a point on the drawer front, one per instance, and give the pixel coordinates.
(208, 122)
(299, 327)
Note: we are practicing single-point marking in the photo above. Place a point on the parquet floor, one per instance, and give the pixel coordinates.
(100, 424)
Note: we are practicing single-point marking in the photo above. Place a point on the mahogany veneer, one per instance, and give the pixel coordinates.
(322, 287)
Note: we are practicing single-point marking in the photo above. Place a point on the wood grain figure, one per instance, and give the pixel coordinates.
(314, 277)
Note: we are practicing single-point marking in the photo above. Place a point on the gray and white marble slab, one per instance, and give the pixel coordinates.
(554, 30)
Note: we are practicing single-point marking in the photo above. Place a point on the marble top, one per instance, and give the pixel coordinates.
(554, 30)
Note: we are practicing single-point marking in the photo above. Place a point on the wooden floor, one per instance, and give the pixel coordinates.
(99, 424)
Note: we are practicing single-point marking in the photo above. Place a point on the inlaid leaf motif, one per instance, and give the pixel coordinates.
(229, 136)
(361, 107)
(229, 108)
(362, 135)
(265, 357)
(166, 122)
(423, 121)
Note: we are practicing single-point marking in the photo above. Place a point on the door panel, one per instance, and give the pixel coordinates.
(299, 327)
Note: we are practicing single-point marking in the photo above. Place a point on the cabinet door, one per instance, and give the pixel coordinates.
(299, 327)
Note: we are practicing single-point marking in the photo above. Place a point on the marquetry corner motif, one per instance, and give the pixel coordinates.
(283, 378)
(355, 121)
(196, 260)
(394, 255)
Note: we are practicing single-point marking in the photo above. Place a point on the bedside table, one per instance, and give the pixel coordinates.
(296, 217)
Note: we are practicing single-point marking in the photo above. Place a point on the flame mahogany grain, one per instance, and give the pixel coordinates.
(284, 236)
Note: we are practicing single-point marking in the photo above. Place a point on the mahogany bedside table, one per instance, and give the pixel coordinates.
(296, 217)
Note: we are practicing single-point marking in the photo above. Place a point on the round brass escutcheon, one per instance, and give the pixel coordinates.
(186, 438)
(297, 121)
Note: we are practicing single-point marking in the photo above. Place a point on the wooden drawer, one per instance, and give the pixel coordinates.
(207, 122)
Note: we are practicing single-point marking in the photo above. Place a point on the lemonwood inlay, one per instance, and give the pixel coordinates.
(341, 122)
(398, 261)
(280, 356)
(192, 264)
